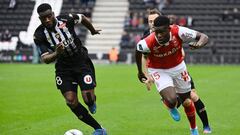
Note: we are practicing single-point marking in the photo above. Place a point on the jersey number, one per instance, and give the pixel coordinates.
(59, 80)
(156, 76)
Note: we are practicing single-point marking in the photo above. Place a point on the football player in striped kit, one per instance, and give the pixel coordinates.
(57, 41)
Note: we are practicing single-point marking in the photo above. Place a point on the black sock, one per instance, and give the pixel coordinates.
(82, 113)
(202, 113)
(179, 101)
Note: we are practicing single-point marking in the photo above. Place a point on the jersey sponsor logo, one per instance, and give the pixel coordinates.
(87, 79)
(174, 50)
(67, 42)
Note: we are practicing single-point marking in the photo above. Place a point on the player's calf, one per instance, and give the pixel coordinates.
(190, 112)
(90, 101)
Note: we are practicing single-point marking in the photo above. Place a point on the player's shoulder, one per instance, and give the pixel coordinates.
(39, 31)
(66, 17)
(150, 37)
(69, 19)
(63, 17)
(174, 28)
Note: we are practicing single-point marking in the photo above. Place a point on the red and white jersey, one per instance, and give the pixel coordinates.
(168, 55)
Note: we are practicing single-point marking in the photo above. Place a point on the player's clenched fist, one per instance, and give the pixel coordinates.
(142, 77)
(60, 48)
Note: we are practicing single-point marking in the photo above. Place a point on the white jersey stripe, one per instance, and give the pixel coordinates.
(48, 37)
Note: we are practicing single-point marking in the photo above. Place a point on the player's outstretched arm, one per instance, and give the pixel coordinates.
(202, 40)
(89, 26)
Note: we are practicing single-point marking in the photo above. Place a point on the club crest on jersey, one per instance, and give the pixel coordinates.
(155, 48)
(57, 35)
(87, 79)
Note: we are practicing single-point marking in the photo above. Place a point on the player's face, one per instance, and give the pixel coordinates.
(151, 19)
(163, 34)
(47, 18)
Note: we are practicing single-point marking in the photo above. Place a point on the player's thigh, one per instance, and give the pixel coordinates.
(182, 82)
(86, 80)
(192, 82)
(65, 81)
(169, 93)
(194, 95)
(161, 79)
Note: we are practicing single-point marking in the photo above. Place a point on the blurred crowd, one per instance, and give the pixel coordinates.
(5, 36)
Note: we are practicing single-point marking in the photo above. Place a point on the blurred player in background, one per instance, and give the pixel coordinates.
(57, 40)
(199, 105)
(166, 66)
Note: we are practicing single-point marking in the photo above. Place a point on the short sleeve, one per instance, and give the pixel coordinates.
(143, 47)
(40, 44)
(187, 35)
(77, 18)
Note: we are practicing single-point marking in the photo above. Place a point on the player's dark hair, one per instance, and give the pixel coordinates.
(154, 11)
(43, 7)
(161, 21)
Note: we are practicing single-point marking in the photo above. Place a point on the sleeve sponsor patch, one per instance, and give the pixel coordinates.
(142, 46)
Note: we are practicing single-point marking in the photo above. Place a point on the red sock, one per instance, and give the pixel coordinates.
(190, 112)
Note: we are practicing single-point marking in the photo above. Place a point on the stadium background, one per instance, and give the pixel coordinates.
(123, 22)
(29, 103)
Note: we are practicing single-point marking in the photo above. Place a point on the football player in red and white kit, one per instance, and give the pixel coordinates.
(166, 66)
(198, 103)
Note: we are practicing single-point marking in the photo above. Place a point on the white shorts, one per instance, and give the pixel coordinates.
(177, 77)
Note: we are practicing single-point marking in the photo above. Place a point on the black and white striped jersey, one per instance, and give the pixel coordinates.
(47, 40)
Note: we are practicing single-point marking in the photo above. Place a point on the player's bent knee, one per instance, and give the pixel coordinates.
(72, 102)
(171, 102)
(194, 96)
(187, 102)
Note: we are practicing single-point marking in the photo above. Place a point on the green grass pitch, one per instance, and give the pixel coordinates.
(30, 104)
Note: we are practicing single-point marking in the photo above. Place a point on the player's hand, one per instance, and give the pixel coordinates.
(148, 82)
(95, 32)
(142, 77)
(195, 45)
(60, 48)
